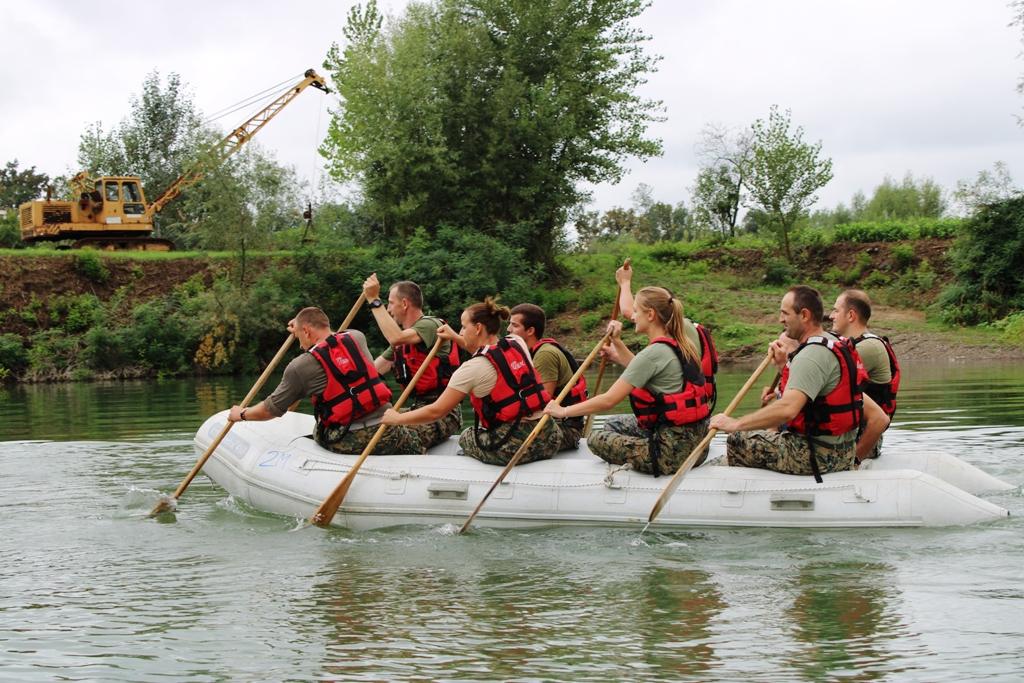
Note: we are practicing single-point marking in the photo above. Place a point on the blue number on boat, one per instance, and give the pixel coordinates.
(275, 459)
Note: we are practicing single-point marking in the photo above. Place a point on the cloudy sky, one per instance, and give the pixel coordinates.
(887, 86)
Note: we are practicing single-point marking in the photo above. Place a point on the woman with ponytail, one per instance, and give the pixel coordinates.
(506, 392)
(665, 387)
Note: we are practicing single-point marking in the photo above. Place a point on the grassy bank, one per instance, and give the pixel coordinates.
(86, 315)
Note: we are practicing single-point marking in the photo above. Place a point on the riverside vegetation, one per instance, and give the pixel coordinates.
(90, 315)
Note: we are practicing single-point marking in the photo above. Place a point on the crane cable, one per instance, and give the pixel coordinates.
(274, 92)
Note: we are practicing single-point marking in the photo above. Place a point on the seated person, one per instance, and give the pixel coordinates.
(505, 390)
(349, 397)
(665, 386)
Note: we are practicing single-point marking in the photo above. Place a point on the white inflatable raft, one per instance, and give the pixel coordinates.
(272, 466)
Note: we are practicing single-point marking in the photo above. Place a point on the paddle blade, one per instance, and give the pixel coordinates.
(165, 504)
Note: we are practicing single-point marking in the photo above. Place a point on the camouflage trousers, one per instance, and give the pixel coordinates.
(543, 447)
(786, 452)
(396, 440)
(623, 441)
(571, 431)
(438, 431)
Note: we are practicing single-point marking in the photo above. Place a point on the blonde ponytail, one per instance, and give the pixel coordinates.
(670, 312)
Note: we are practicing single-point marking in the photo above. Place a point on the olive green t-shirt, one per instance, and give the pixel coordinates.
(304, 377)
(552, 365)
(876, 360)
(426, 328)
(814, 372)
(656, 369)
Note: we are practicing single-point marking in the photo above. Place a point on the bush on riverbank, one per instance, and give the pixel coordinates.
(173, 315)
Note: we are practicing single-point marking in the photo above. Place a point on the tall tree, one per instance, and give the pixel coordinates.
(718, 193)
(18, 187)
(908, 199)
(489, 114)
(234, 206)
(785, 173)
(161, 134)
(989, 187)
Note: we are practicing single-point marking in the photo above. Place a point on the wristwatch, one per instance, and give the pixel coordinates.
(376, 303)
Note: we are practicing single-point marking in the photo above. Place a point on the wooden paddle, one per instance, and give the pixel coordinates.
(165, 504)
(604, 361)
(325, 513)
(677, 478)
(536, 430)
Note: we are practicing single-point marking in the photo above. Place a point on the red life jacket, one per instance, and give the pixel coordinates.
(708, 364)
(883, 394)
(354, 388)
(518, 391)
(688, 405)
(842, 409)
(578, 393)
(409, 358)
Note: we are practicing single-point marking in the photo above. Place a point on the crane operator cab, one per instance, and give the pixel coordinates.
(109, 213)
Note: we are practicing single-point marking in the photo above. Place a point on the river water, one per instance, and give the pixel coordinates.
(91, 589)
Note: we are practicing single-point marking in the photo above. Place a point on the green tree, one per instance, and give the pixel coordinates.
(18, 187)
(989, 264)
(718, 192)
(784, 173)
(239, 205)
(988, 187)
(162, 133)
(489, 113)
(908, 199)
(656, 219)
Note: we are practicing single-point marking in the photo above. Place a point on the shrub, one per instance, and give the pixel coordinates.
(988, 261)
(589, 321)
(1012, 327)
(898, 230)
(89, 266)
(10, 232)
(778, 272)
(77, 313)
(13, 356)
(903, 256)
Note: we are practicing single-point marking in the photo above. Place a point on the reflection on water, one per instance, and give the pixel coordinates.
(932, 397)
(845, 614)
(92, 589)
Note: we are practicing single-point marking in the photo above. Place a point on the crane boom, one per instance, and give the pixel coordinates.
(233, 141)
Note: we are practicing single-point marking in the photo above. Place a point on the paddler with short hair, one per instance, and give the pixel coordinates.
(411, 335)
(849, 317)
(555, 364)
(503, 386)
(349, 396)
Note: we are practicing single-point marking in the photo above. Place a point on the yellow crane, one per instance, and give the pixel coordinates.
(111, 211)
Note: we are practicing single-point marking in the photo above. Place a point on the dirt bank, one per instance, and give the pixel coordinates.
(31, 282)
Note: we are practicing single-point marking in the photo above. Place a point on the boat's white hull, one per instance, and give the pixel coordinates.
(272, 467)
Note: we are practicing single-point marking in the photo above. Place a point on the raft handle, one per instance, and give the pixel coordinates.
(792, 501)
(449, 490)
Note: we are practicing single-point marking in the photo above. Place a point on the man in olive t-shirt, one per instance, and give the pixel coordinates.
(755, 439)
(304, 377)
(850, 317)
(528, 321)
(403, 323)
